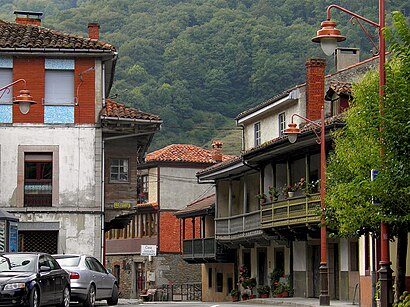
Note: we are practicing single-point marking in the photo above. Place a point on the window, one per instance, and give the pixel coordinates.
(257, 131)
(282, 123)
(219, 281)
(210, 277)
(38, 175)
(59, 91)
(119, 170)
(142, 189)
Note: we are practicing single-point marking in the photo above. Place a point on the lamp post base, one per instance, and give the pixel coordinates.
(324, 298)
(386, 282)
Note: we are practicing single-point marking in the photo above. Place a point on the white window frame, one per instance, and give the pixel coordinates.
(282, 123)
(257, 133)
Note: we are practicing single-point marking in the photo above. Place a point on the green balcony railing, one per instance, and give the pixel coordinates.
(289, 212)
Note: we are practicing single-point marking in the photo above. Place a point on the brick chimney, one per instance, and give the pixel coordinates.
(315, 87)
(28, 18)
(217, 150)
(94, 30)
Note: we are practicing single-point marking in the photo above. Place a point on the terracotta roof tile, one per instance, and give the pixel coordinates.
(341, 88)
(199, 207)
(183, 153)
(118, 110)
(14, 35)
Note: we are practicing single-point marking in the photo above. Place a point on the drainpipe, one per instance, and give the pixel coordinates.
(103, 243)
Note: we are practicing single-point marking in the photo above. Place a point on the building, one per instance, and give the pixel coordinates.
(273, 234)
(166, 183)
(51, 176)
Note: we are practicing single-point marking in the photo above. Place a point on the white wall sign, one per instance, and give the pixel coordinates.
(148, 250)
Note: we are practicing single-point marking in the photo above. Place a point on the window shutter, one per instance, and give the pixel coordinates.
(6, 77)
(59, 87)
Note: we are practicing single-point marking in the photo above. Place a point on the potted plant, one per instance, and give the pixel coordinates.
(309, 187)
(273, 193)
(289, 190)
(261, 197)
(245, 293)
(281, 289)
(263, 291)
(234, 295)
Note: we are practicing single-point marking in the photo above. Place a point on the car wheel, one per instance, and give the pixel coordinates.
(90, 299)
(66, 298)
(34, 298)
(114, 296)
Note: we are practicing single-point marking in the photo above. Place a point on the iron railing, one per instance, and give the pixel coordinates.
(179, 292)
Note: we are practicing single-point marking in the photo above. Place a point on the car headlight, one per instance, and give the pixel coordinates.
(15, 286)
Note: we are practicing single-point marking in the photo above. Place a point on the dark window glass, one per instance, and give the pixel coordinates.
(219, 282)
(38, 174)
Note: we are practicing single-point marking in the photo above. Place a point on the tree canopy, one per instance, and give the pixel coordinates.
(376, 136)
(199, 63)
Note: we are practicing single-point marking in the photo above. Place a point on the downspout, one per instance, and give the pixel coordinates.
(103, 84)
(103, 242)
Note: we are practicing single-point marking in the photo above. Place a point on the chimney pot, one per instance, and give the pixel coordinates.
(94, 30)
(217, 150)
(315, 87)
(28, 18)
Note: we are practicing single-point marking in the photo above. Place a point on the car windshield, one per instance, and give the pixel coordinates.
(68, 261)
(17, 263)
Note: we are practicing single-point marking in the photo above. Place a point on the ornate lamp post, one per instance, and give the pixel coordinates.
(24, 100)
(292, 133)
(328, 36)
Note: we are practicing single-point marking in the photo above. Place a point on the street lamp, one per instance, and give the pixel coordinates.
(24, 99)
(292, 133)
(330, 33)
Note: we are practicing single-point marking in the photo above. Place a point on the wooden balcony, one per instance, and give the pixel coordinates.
(295, 211)
(203, 250)
(238, 227)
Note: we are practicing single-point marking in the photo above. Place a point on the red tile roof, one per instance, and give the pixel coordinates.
(183, 153)
(14, 35)
(118, 110)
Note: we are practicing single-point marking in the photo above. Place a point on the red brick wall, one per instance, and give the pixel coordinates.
(188, 228)
(315, 87)
(84, 113)
(170, 234)
(32, 70)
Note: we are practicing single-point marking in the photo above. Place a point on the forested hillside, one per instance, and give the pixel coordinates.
(198, 63)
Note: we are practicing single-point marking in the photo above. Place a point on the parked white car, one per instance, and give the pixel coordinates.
(90, 281)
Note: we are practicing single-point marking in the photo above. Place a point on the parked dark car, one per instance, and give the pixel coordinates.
(33, 279)
(90, 281)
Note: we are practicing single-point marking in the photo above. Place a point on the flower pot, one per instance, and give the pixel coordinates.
(291, 194)
(264, 295)
(283, 294)
(251, 296)
(235, 298)
(245, 297)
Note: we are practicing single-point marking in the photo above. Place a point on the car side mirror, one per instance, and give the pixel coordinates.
(45, 268)
(109, 271)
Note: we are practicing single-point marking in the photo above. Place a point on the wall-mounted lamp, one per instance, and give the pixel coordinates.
(24, 99)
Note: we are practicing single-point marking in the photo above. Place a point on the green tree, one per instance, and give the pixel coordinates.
(361, 146)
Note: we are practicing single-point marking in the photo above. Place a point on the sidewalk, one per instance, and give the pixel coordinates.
(297, 302)
(291, 301)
